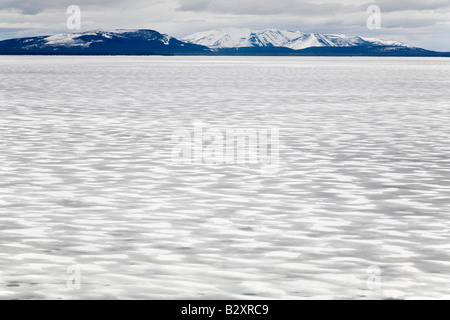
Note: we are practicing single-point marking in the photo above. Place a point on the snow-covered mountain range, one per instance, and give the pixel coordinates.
(133, 42)
(296, 40)
(228, 41)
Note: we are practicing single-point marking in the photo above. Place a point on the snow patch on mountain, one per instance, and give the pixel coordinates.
(85, 39)
(66, 39)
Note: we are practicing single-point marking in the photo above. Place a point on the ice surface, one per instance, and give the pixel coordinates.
(87, 178)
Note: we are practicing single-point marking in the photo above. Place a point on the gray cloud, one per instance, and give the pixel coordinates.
(306, 6)
(258, 7)
(30, 7)
(419, 5)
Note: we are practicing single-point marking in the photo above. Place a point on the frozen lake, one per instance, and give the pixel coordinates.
(87, 181)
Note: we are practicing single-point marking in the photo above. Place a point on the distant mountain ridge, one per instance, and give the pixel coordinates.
(296, 40)
(116, 42)
(230, 41)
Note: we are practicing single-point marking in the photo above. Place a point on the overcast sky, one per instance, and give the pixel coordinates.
(422, 23)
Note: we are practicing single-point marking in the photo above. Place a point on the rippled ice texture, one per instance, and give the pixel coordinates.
(87, 178)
